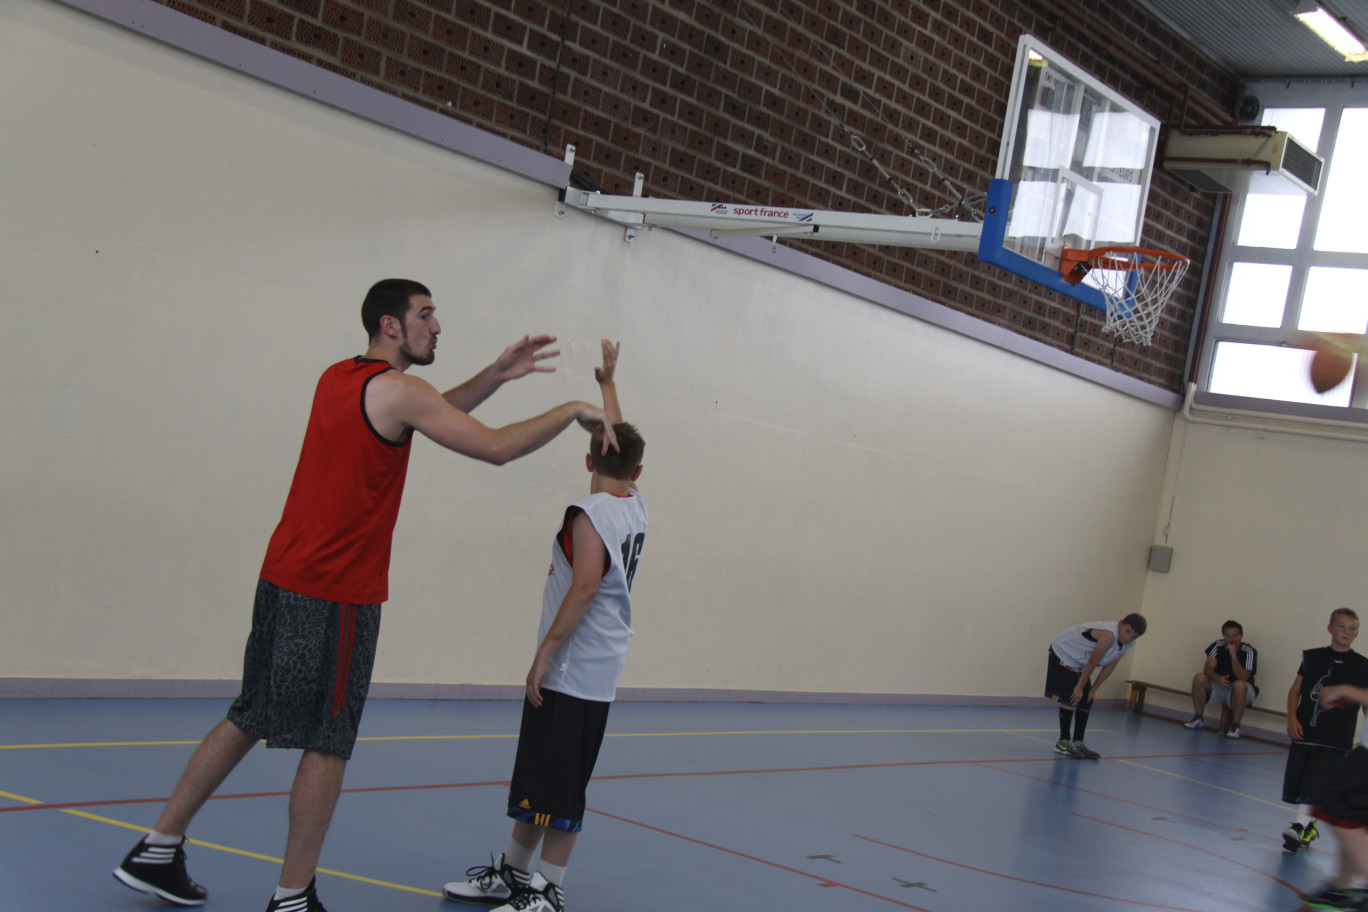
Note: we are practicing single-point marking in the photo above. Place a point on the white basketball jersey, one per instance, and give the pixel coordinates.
(1074, 648)
(589, 662)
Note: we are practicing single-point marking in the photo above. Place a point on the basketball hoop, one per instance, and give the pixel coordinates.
(1136, 281)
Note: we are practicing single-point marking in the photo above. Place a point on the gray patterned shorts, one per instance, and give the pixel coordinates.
(306, 671)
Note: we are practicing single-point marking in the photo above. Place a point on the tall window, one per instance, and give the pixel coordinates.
(1295, 265)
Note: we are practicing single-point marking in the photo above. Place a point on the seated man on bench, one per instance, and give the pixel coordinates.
(1227, 678)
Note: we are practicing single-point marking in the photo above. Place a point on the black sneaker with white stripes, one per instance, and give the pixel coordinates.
(304, 902)
(160, 870)
(535, 896)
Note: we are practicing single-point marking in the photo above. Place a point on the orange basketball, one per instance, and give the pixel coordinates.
(1330, 365)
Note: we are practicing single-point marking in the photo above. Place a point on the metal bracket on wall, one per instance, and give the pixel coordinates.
(744, 220)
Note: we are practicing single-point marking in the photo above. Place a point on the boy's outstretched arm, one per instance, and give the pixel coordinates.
(604, 376)
(1344, 693)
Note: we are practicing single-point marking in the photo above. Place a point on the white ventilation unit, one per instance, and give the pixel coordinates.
(1242, 160)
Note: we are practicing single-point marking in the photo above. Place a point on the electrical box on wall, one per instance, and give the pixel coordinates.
(1242, 160)
(1161, 558)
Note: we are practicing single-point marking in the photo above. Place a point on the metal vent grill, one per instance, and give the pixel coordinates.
(1302, 164)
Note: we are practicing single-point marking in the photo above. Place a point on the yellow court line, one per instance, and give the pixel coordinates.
(13, 797)
(100, 744)
(696, 734)
(832, 731)
(192, 743)
(232, 851)
(127, 826)
(1219, 788)
(435, 737)
(1023, 732)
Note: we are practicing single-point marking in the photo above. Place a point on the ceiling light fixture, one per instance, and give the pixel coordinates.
(1330, 30)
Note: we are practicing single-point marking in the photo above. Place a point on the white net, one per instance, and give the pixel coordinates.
(1137, 283)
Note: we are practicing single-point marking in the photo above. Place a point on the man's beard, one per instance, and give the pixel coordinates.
(412, 356)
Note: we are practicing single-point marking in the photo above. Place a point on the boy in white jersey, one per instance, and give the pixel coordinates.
(1074, 655)
(582, 642)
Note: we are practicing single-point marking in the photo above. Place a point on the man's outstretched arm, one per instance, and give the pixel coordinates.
(518, 360)
(396, 401)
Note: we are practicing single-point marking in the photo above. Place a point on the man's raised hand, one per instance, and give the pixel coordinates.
(597, 421)
(522, 357)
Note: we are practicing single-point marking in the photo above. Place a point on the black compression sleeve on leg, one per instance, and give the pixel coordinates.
(1080, 724)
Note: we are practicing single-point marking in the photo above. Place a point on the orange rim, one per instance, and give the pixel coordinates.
(1074, 264)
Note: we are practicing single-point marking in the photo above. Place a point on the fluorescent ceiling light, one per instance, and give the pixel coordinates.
(1332, 32)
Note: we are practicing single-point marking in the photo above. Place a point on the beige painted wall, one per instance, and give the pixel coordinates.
(843, 498)
(1268, 529)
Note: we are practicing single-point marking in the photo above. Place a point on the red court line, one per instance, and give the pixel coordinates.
(825, 882)
(821, 881)
(467, 785)
(447, 785)
(1193, 847)
(892, 765)
(621, 776)
(400, 788)
(1034, 883)
(816, 769)
(350, 791)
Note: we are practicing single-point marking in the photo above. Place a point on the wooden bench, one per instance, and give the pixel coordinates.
(1136, 704)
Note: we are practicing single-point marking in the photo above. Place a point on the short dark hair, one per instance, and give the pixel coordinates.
(622, 462)
(1236, 624)
(388, 298)
(1347, 612)
(1135, 622)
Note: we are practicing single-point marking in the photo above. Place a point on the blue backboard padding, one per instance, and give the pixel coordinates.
(999, 204)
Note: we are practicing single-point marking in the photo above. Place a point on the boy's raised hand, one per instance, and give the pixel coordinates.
(604, 374)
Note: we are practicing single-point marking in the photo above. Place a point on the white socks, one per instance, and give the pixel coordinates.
(519, 856)
(554, 874)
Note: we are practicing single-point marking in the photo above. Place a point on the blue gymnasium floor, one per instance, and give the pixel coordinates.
(707, 807)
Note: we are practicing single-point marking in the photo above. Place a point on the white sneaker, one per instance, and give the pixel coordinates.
(489, 885)
(537, 896)
(1194, 724)
(1233, 733)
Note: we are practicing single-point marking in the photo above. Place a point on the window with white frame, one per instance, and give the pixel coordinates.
(1294, 266)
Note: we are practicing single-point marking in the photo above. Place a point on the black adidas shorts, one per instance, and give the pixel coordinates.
(1311, 769)
(558, 746)
(306, 671)
(1060, 681)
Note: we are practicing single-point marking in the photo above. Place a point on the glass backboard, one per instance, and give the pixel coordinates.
(1073, 171)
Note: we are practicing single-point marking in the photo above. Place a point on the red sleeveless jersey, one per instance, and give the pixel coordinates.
(333, 540)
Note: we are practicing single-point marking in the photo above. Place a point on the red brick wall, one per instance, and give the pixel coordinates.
(739, 100)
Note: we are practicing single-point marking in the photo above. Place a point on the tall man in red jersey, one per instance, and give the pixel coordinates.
(317, 616)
